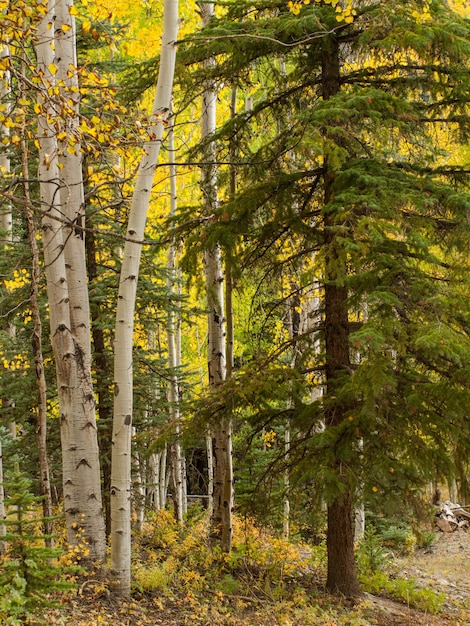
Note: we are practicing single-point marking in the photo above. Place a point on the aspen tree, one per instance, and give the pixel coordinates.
(72, 200)
(222, 494)
(174, 349)
(123, 342)
(80, 461)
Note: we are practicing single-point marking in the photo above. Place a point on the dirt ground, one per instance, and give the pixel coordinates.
(445, 567)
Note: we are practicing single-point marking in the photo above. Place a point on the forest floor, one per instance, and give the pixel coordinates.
(443, 567)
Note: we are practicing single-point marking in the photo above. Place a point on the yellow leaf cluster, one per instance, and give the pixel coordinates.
(19, 279)
(344, 11)
(424, 15)
(269, 437)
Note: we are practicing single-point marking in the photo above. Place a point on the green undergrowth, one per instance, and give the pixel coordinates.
(373, 556)
(263, 572)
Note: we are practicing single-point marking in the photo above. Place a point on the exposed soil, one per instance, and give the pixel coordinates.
(445, 567)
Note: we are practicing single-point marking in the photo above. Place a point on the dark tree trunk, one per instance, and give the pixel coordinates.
(342, 577)
(103, 383)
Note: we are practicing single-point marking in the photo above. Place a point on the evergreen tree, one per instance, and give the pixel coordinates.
(373, 106)
(29, 569)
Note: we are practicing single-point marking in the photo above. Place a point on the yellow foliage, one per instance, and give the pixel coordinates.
(344, 11)
(157, 577)
(269, 437)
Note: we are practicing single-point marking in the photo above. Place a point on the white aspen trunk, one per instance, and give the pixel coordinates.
(453, 489)
(157, 463)
(222, 494)
(81, 474)
(139, 489)
(154, 469)
(210, 475)
(359, 510)
(159, 478)
(174, 344)
(286, 511)
(165, 478)
(123, 372)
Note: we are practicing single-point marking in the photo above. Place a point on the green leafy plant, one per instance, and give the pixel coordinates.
(404, 590)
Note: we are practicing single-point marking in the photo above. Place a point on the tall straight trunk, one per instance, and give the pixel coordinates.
(5, 228)
(286, 507)
(123, 371)
(103, 386)
(6, 217)
(80, 462)
(5, 209)
(158, 479)
(3, 528)
(174, 346)
(222, 495)
(36, 341)
(341, 576)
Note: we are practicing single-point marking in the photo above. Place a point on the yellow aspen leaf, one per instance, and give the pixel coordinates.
(37, 108)
(73, 10)
(86, 26)
(23, 102)
(66, 28)
(52, 68)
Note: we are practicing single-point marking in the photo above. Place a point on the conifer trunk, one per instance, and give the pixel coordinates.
(341, 577)
(123, 343)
